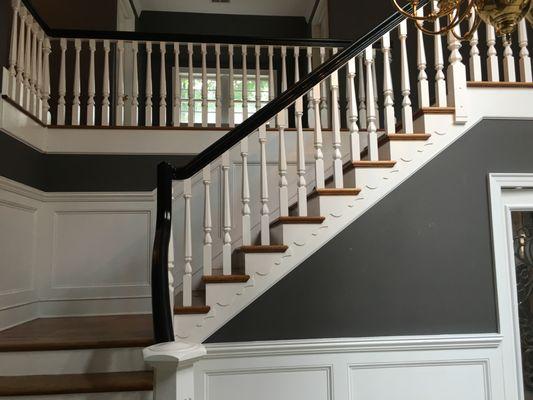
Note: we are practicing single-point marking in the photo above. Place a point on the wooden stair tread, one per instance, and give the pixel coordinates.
(191, 310)
(225, 278)
(514, 85)
(335, 192)
(272, 248)
(293, 220)
(71, 333)
(198, 303)
(408, 136)
(31, 385)
(374, 164)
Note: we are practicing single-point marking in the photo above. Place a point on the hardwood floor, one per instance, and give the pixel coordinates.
(79, 333)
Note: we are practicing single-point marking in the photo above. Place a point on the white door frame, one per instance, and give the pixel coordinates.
(508, 192)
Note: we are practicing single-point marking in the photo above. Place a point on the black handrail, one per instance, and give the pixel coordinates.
(182, 38)
(160, 291)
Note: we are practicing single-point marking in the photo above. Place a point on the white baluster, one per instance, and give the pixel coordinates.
(423, 85)
(475, 59)
(440, 81)
(231, 108)
(135, 86)
(271, 89)
(148, 113)
(319, 156)
(336, 130)
(493, 74)
(257, 77)
(105, 85)
(163, 85)
(282, 166)
(284, 77)
(245, 194)
(76, 89)
(171, 267)
(187, 270)
(375, 88)
(218, 89)
(33, 77)
(27, 67)
(119, 117)
(265, 212)
(208, 225)
(371, 115)
(176, 104)
(203, 49)
(19, 91)
(91, 87)
(190, 51)
(46, 81)
(62, 84)
(456, 74)
(355, 150)
(525, 61)
(509, 73)
(300, 167)
(226, 247)
(39, 81)
(407, 111)
(388, 94)
(310, 106)
(244, 83)
(13, 50)
(324, 115)
(361, 92)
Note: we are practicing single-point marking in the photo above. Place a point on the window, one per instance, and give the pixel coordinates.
(250, 91)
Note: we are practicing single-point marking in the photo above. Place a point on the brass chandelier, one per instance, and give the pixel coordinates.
(503, 15)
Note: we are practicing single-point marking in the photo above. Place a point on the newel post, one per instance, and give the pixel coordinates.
(456, 75)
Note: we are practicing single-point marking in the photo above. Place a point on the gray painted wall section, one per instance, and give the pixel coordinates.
(419, 262)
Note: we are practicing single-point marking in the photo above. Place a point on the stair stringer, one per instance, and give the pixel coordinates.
(511, 104)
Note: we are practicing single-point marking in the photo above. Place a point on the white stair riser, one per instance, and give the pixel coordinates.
(328, 205)
(365, 177)
(260, 263)
(221, 293)
(401, 149)
(88, 396)
(289, 234)
(71, 361)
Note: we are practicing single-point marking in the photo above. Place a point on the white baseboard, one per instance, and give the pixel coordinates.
(18, 314)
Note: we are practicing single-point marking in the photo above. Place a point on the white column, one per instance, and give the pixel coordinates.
(244, 83)
(361, 92)
(456, 74)
(27, 67)
(105, 85)
(388, 95)
(135, 86)
(324, 115)
(62, 84)
(46, 81)
(509, 73)
(271, 86)
(282, 166)
(76, 90)
(336, 130)
(208, 225)
(231, 78)
(284, 77)
(187, 235)
(39, 73)
(176, 104)
(257, 78)
(493, 74)
(423, 86)
(226, 247)
(91, 87)
(525, 61)
(218, 89)
(163, 85)
(13, 50)
(119, 117)
(296, 71)
(190, 51)
(310, 106)
(19, 91)
(33, 77)
(375, 88)
(171, 266)
(475, 59)
(355, 151)
(300, 154)
(371, 115)
(440, 81)
(203, 49)
(149, 88)
(319, 156)
(245, 195)
(265, 212)
(407, 111)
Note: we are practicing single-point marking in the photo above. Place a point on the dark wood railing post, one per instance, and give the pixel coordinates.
(162, 314)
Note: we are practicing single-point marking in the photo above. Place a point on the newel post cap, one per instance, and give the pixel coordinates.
(181, 353)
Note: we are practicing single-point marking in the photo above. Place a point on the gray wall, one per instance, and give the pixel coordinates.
(419, 262)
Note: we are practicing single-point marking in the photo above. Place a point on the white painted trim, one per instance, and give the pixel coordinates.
(501, 205)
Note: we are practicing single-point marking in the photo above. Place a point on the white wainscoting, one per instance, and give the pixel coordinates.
(441, 367)
(73, 253)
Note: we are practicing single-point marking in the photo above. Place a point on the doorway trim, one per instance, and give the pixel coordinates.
(508, 192)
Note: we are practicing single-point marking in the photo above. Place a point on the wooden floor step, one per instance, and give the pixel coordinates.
(507, 85)
(225, 278)
(374, 164)
(297, 220)
(35, 385)
(408, 136)
(334, 192)
(273, 248)
(72, 333)
(191, 310)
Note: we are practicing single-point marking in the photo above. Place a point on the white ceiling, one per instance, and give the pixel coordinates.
(299, 8)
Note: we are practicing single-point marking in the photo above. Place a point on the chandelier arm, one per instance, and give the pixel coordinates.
(470, 32)
(416, 17)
